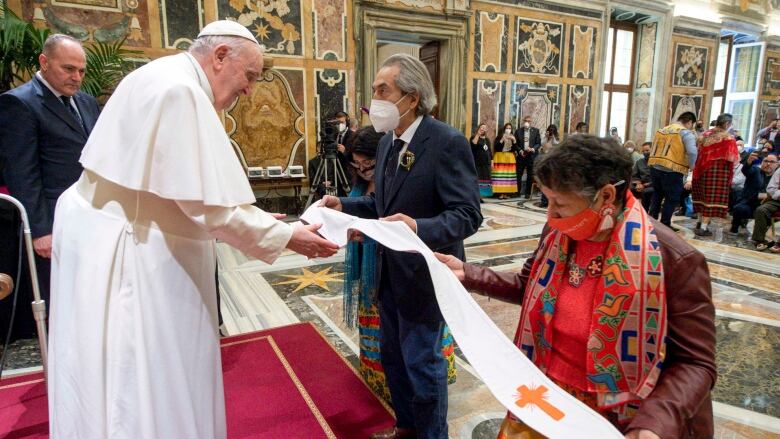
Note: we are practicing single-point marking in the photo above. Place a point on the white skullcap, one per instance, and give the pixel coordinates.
(227, 28)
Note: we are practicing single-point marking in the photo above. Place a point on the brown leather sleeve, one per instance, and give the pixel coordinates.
(505, 286)
(689, 370)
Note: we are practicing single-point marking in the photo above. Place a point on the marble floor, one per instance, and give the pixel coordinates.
(746, 292)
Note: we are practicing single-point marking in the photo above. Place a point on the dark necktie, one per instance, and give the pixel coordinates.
(392, 165)
(72, 110)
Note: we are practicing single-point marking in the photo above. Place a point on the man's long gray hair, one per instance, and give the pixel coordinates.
(413, 77)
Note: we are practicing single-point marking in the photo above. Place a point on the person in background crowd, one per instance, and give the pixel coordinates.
(631, 148)
(528, 143)
(672, 156)
(504, 170)
(613, 132)
(44, 125)
(763, 213)
(549, 141)
(699, 127)
(589, 285)
(581, 128)
(481, 151)
(360, 265)
(713, 173)
(754, 191)
(641, 183)
(769, 132)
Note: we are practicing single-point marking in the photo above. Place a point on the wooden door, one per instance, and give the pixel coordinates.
(429, 55)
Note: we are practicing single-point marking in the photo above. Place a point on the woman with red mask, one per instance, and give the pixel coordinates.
(616, 308)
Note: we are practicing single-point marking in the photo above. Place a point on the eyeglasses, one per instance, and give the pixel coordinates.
(363, 164)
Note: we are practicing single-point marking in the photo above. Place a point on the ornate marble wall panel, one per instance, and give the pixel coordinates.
(277, 24)
(330, 93)
(768, 111)
(538, 47)
(690, 66)
(267, 126)
(93, 20)
(582, 51)
(640, 112)
(772, 76)
(541, 103)
(488, 105)
(644, 72)
(578, 106)
(679, 104)
(433, 4)
(490, 41)
(180, 20)
(330, 29)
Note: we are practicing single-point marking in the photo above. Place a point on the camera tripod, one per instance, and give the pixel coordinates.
(330, 174)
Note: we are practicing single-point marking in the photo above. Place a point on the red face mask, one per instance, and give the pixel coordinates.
(587, 223)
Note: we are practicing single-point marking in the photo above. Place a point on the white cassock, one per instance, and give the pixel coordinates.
(134, 343)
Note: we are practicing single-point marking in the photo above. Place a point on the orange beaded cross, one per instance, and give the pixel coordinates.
(536, 396)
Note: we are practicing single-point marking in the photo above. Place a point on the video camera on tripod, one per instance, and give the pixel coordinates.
(330, 177)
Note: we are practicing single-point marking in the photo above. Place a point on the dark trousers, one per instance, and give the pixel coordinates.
(763, 219)
(415, 369)
(741, 212)
(525, 165)
(668, 187)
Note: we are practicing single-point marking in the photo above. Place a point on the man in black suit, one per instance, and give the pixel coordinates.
(425, 177)
(44, 125)
(528, 143)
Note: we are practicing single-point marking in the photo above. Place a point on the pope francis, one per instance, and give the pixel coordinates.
(134, 346)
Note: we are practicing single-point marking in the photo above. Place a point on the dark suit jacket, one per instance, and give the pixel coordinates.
(41, 142)
(534, 141)
(440, 192)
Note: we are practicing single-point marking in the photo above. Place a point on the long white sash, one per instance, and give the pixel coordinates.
(512, 378)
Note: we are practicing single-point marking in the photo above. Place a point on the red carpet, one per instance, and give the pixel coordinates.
(281, 383)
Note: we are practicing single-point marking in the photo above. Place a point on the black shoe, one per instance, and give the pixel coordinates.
(702, 232)
(674, 229)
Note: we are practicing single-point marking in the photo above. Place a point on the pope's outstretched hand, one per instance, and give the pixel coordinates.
(305, 241)
(454, 264)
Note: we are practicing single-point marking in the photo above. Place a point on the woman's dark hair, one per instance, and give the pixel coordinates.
(583, 164)
(553, 129)
(723, 120)
(481, 124)
(364, 142)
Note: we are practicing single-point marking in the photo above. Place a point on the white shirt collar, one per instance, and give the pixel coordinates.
(46, 83)
(203, 80)
(409, 133)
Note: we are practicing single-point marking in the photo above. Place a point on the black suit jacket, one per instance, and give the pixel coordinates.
(440, 192)
(41, 142)
(534, 141)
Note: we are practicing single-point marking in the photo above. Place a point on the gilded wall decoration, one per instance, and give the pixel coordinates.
(640, 112)
(679, 104)
(276, 24)
(538, 47)
(490, 41)
(768, 111)
(267, 126)
(644, 73)
(331, 93)
(578, 106)
(541, 103)
(690, 66)
(330, 29)
(772, 76)
(582, 51)
(92, 20)
(488, 106)
(181, 22)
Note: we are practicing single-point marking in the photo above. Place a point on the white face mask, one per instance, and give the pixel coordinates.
(526, 124)
(508, 131)
(384, 114)
(342, 127)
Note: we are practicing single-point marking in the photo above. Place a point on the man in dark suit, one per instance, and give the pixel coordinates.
(528, 143)
(44, 125)
(425, 177)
